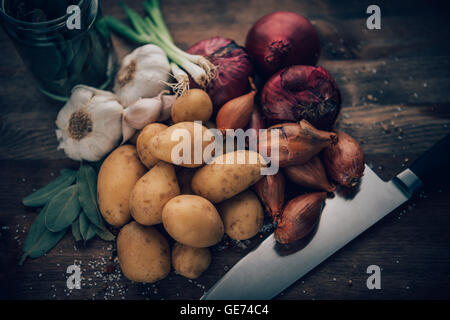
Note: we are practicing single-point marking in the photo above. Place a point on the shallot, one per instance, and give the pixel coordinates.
(297, 142)
(344, 161)
(299, 217)
(310, 175)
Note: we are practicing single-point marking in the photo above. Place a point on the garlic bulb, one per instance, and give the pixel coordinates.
(90, 124)
(143, 74)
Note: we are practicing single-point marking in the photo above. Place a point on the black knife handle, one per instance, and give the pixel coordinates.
(433, 166)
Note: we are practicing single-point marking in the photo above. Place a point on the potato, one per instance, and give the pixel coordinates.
(219, 181)
(192, 220)
(117, 177)
(152, 192)
(143, 253)
(162, 145)
(190, 262)
(143, 143)
(194, 105)
(242, 215)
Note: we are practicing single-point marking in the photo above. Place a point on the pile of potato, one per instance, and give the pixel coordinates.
(196, 204)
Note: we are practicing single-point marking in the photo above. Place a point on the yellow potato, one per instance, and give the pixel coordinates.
(176, 144)
(192, 220)
(190, 262)
(152, 192)
(194, 105)
(143, 253)
(242, 215)
(220, 180)
(143, 143)
(118, 175)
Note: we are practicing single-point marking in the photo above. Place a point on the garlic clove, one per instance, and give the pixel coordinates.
(127, 131)
(167, 103)
(143, 112)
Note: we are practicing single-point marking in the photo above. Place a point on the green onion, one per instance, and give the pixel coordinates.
(152, 29)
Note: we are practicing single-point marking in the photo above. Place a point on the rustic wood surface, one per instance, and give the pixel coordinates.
(395, 84)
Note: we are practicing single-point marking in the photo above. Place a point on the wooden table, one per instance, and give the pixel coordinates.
(395, 84)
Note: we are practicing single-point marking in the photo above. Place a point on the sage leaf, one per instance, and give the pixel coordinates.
(87, 194)
(62, 209)
(43, 195)
(76, 230)
(87, 229)
(105, 234)
(39, 239)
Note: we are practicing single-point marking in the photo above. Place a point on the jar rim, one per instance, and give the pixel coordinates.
(55, 22)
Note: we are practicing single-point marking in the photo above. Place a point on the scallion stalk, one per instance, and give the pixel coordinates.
(152, 29)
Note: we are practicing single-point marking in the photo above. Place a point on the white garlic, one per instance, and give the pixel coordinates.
(146, 111)
(89, 124)
(143, 74)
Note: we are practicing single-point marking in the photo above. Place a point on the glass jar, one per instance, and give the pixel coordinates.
(60, 57)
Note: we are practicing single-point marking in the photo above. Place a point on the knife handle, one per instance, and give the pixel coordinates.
(434, 165)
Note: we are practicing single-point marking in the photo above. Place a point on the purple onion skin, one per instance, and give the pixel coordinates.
(282, 39)
(233, 68)
(302, 92)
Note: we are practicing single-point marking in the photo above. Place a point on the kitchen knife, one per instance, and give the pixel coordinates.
(267, 270)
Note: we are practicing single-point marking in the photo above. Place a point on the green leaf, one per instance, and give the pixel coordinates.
(62, 209)
(87, 229)
(87, 185)
(39, 239)
(76, 230)
(43, 195)
(104, 234)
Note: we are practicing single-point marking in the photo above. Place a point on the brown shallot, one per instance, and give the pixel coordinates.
(270, 190)
(297, 142)
(344, 161)
(310, 175)
(299, 217)
(236, 113)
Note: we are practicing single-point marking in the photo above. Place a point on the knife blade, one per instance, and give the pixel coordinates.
(342, 220)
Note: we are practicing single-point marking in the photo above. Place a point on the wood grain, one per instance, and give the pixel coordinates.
(394, 82)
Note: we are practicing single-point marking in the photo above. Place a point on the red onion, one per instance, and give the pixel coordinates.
(233, 67)
(302, 92)
(282, 39)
